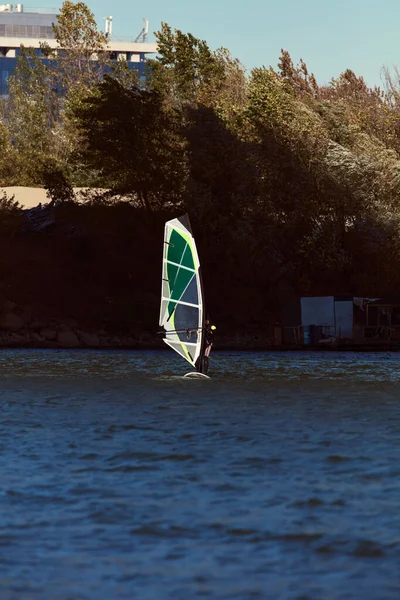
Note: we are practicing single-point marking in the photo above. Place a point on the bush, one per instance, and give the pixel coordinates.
(10, 214)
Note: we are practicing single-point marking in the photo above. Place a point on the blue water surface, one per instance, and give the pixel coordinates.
(279, 477)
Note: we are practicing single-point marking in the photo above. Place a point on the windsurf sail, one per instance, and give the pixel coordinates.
(182, 299)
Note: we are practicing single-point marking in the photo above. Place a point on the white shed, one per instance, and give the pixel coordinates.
(333, 313)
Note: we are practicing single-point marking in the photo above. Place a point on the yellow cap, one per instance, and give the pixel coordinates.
(213, 327)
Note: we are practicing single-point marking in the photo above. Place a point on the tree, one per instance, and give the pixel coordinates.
(82, 56)
(57, 185)
(80, 62)
(298, 78)
(133, 141)
(188, 72)
(32, 115)
(10, 214)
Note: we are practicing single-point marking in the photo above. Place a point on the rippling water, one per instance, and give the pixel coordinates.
(277, 478)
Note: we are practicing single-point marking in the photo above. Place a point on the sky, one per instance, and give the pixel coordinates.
(329, 35)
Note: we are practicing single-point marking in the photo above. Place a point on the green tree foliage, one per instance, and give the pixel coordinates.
(82, 55)
(40, 130)
(188, 72)
(133, 142)
(10, 214)
(276, 171)
(6, 153)
(32, 116)
(294, 187)
(58, 188)
(81, 60)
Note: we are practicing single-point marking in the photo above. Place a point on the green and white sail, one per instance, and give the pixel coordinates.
(182, 299)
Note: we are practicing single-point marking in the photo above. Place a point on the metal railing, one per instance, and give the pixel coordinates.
(304, 335)
(381, 332)
(40, 10)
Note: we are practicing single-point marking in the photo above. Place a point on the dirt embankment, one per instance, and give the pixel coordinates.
(90, 277)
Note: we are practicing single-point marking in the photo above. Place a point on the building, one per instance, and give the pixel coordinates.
(382, 318)
(342, 319)
(31, 26)
(319, 319)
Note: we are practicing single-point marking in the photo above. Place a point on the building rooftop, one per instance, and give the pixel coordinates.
(19, 24)
(19, 8)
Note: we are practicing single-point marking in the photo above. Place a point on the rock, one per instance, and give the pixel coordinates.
(4, 338)
(146, 337)
(127, 341)
(37, 325)
(48, 334)
(26, 315)
(11, 322)
(71, 323)
(89, 339)
(15, 339)
(68, 339)
(8, 306)
(36, 337)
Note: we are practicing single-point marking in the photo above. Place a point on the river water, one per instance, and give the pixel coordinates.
(278, 478)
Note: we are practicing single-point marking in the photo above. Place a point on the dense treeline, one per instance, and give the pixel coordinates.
(291, 187)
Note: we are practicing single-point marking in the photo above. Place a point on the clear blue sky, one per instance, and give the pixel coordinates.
(330, 35)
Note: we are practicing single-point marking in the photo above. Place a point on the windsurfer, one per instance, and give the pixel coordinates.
(208, 342)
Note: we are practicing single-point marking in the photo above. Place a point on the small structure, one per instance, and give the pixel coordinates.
(327, 320)
(382, 319)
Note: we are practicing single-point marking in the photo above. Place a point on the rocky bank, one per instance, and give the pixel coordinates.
(22, 327)
(88, 276)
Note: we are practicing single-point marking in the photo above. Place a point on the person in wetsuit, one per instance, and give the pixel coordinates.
(208, 342)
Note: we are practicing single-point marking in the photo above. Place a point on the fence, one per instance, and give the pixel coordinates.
(309, 334)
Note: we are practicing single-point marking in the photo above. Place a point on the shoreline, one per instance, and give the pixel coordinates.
(224, 347)
(22, 327)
